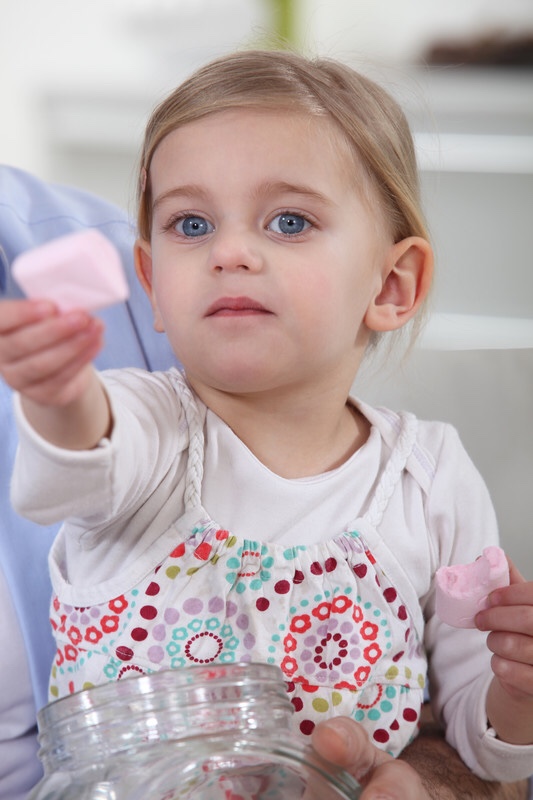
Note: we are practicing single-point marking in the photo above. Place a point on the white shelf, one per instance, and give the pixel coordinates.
(468, 332)
(474, 152)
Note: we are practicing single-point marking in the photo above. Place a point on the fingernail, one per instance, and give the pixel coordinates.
(342, 730)
(77, 319)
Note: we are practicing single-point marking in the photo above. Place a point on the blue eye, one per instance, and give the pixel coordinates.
(289, 224)
(193, 226)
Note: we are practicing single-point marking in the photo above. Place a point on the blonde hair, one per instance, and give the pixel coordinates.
(367, 117)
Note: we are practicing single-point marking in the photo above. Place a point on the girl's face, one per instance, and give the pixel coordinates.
(264, 258)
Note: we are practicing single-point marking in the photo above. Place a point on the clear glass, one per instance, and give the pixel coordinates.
(202, 733)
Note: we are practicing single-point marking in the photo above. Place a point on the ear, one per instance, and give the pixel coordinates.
(406, 283)
(142, 255)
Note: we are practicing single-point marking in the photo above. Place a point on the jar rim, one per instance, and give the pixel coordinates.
(136, 686)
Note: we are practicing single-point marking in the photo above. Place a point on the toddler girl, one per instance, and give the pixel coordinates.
(249, 508)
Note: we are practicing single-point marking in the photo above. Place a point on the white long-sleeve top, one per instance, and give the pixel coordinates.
(121, 499)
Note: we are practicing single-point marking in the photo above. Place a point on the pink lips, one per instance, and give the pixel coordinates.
(235, 306)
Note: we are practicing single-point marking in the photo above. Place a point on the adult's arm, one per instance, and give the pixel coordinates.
(32, 212)
(445, 777)
(428, 769)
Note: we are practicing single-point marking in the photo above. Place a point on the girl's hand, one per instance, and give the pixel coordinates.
(44, 354)
(510, 622)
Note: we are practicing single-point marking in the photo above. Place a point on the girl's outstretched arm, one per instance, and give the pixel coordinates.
(510, 622)
(46, 357)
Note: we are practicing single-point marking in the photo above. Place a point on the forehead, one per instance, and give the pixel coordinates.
(258, 139)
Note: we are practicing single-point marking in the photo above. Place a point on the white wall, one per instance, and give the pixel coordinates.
(144, 46)
(103, 48)
(399, 30)
(78, 78)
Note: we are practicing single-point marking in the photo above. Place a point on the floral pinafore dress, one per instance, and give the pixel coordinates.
(329, 614)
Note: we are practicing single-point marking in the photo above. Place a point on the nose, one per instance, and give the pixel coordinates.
(235, 249)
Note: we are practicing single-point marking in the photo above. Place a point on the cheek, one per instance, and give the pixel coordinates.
(328, 291)
(341, 301)
(169, 300)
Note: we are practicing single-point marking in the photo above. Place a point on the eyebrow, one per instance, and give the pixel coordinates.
(267, 188)
(283, 187)
(188, 190)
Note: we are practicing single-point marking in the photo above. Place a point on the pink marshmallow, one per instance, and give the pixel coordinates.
(79, 270)
(462, 590)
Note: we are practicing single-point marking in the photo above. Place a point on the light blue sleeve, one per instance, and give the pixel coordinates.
(32, 212)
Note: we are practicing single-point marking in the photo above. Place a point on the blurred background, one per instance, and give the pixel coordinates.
(78, 80)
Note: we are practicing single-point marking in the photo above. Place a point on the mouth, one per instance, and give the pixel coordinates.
(235, 306)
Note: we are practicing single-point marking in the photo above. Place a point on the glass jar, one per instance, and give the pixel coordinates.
(203, 733)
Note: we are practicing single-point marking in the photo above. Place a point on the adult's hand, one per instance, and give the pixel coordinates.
(429, 769)
(345, 743)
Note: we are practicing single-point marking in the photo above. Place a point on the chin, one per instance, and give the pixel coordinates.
(234, 378)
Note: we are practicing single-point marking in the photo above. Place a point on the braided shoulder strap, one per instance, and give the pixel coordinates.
(394, 468)
(195, 463)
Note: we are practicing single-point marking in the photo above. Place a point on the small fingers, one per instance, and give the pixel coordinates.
(519, 591)
(62, 387)
(36, 358)
(512, 662)
(515, 676)
(41, 334)
(515, 618)
(515, 576)
(15, 314)
(514, 646)
(53, 347)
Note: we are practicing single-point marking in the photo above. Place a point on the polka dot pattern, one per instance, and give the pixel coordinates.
(327, 614)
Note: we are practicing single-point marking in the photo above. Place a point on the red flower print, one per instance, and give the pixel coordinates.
(361, 675)
(289, 643)
(74, 634)
(93, 635)
(109, 623)
(322, 611)
(341, 604)
(289, 666)
(310, 688)
(300, 623)
(372, 653)
(357, 615)
(71, 653)
(56, 604)
(369, 631)
(118, 605)
(378, 689)
(345, 685)
(59, 657)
